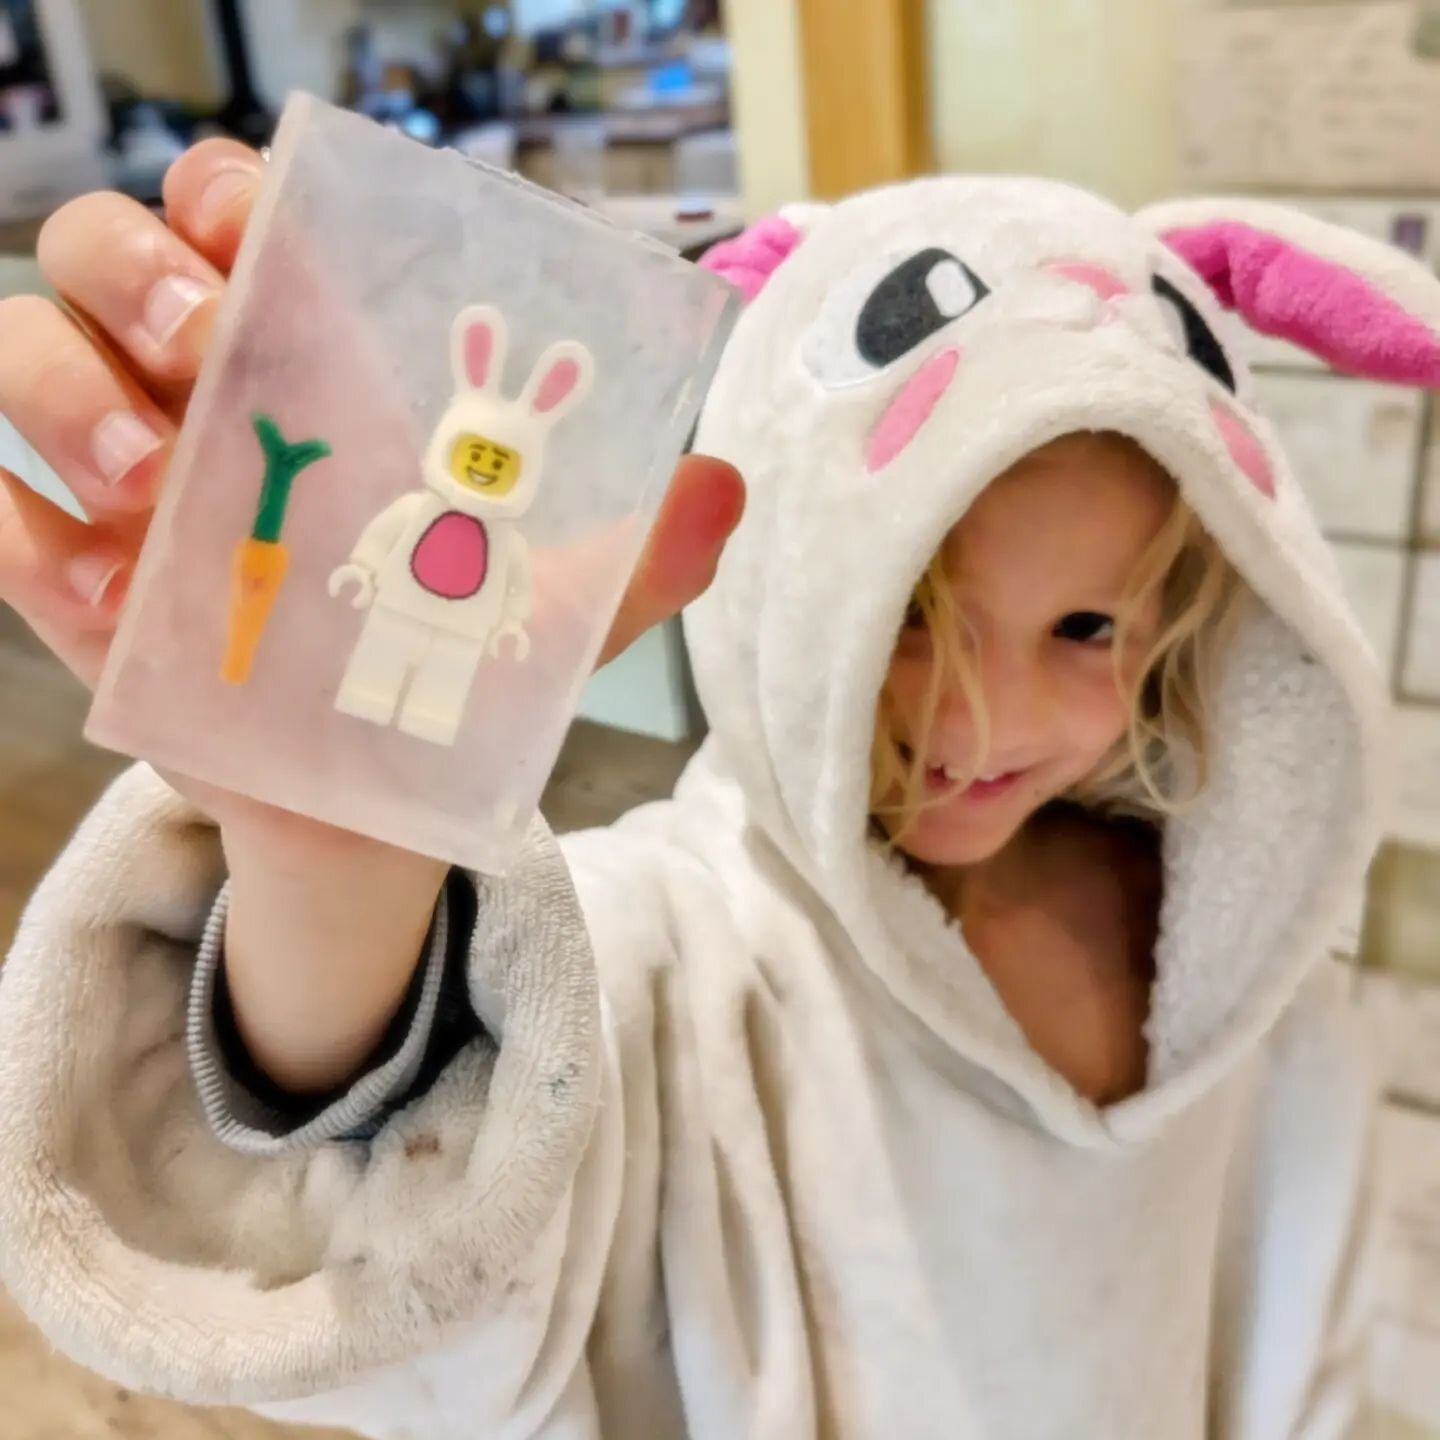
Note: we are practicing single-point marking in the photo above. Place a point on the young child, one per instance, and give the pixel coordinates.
(956, 1054)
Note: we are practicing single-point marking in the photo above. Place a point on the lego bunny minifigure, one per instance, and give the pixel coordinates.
(444, 572)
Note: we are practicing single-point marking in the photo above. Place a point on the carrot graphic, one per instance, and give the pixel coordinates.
(261, 560)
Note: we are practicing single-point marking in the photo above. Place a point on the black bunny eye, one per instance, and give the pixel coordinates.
(918, 297)
(1204, 349)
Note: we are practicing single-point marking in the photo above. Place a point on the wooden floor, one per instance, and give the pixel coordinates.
(48, 779)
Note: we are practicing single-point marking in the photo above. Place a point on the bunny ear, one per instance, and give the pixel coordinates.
(560, 381)
(1363, 307)
(753, 256)
(477, 348)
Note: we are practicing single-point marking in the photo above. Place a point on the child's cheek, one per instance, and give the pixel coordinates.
(908, 681)
(1105, 712)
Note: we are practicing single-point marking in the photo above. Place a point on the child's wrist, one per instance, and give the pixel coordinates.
(322, 942)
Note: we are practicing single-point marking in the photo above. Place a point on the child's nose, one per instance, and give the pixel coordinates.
(1019, 702)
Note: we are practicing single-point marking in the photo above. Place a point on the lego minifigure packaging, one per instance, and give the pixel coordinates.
(437, 419)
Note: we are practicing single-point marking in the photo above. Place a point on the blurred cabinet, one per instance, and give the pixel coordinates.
(1338, 95)
(1405, 1341)
(1368, 458)
(1356, 447)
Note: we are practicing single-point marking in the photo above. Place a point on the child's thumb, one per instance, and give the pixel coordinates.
(700, 511)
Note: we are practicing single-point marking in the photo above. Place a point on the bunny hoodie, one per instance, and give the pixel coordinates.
(748, 1145)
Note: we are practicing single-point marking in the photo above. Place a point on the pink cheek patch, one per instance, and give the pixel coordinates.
(1245, 449)
(910, 409)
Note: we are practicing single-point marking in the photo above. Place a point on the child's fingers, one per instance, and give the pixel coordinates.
(703, 506)
(65, 578)
(152, 294)
(209, 193)
(105, 439)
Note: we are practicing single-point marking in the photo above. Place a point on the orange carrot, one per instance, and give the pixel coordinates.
(261, 560)
(258, 572)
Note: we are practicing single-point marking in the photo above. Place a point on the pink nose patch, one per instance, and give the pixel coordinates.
(1106, 284)
(1245, 449)
(910, 409)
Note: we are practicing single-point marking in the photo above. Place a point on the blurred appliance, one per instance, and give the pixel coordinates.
(243, 114)
(52, 125)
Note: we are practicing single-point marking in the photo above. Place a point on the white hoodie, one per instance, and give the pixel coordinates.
(790, 1169)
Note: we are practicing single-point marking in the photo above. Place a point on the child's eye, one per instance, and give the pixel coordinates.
(1085, 627)
(914, 616)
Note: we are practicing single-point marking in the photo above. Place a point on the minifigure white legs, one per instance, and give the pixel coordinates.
(390, 645)
(390, 649)
(436, 700)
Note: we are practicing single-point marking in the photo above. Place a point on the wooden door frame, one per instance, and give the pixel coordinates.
(867, 103)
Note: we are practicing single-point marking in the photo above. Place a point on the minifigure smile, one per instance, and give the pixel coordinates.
(484, 465)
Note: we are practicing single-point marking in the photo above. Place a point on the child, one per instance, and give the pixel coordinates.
(965, 1058)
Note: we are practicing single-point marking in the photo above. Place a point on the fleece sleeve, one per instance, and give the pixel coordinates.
(441, 1278)
(434, 1023)
(1297, 1243)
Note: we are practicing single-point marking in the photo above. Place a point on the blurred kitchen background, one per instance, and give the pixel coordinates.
(686, 117)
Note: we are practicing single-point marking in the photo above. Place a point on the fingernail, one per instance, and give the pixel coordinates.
(119, 443)
(170, 303)
(92, 577)
(224, 193)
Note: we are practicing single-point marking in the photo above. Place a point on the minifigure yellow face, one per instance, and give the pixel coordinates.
(482, 465)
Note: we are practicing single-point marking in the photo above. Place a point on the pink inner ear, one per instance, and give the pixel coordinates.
(479, 352)
(560, 379)
(1320, 305)
(1245, 449)
(752, 257)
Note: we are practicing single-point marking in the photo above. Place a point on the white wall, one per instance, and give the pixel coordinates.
(769, 102)
(1080, 90)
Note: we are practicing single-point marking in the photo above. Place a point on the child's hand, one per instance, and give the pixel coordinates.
(99, 388)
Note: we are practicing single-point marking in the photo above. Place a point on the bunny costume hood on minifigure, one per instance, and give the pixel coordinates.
(750, 1146)
(509, 434)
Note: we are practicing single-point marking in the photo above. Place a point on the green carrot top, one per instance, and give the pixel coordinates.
(283, 462)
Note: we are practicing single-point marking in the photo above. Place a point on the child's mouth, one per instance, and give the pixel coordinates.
(947, 780)
(939, 781)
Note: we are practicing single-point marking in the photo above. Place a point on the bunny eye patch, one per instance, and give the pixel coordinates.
(484, 465)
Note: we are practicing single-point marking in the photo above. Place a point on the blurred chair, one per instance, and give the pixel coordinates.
(705, 164)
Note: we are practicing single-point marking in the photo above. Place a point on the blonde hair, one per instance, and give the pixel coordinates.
(1159, 765)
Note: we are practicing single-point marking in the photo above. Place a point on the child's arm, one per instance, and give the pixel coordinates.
(327, 1278)
(519, 598)
(143, 1245)
(320, 947)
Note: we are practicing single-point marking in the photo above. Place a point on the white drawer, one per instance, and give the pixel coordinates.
(1430, 482)
(1415, 816)
(1420, 676)
(1374, 580)
(1355, 446)
(1405, 1340)
(1402, 1016)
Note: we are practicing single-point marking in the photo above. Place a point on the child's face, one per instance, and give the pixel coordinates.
(1041, 565)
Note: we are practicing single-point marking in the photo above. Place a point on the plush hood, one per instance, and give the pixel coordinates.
(901, 350)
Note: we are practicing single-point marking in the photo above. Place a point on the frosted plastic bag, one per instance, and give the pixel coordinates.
(426, 447)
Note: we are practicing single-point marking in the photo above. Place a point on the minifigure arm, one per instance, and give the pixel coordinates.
(383, 533)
